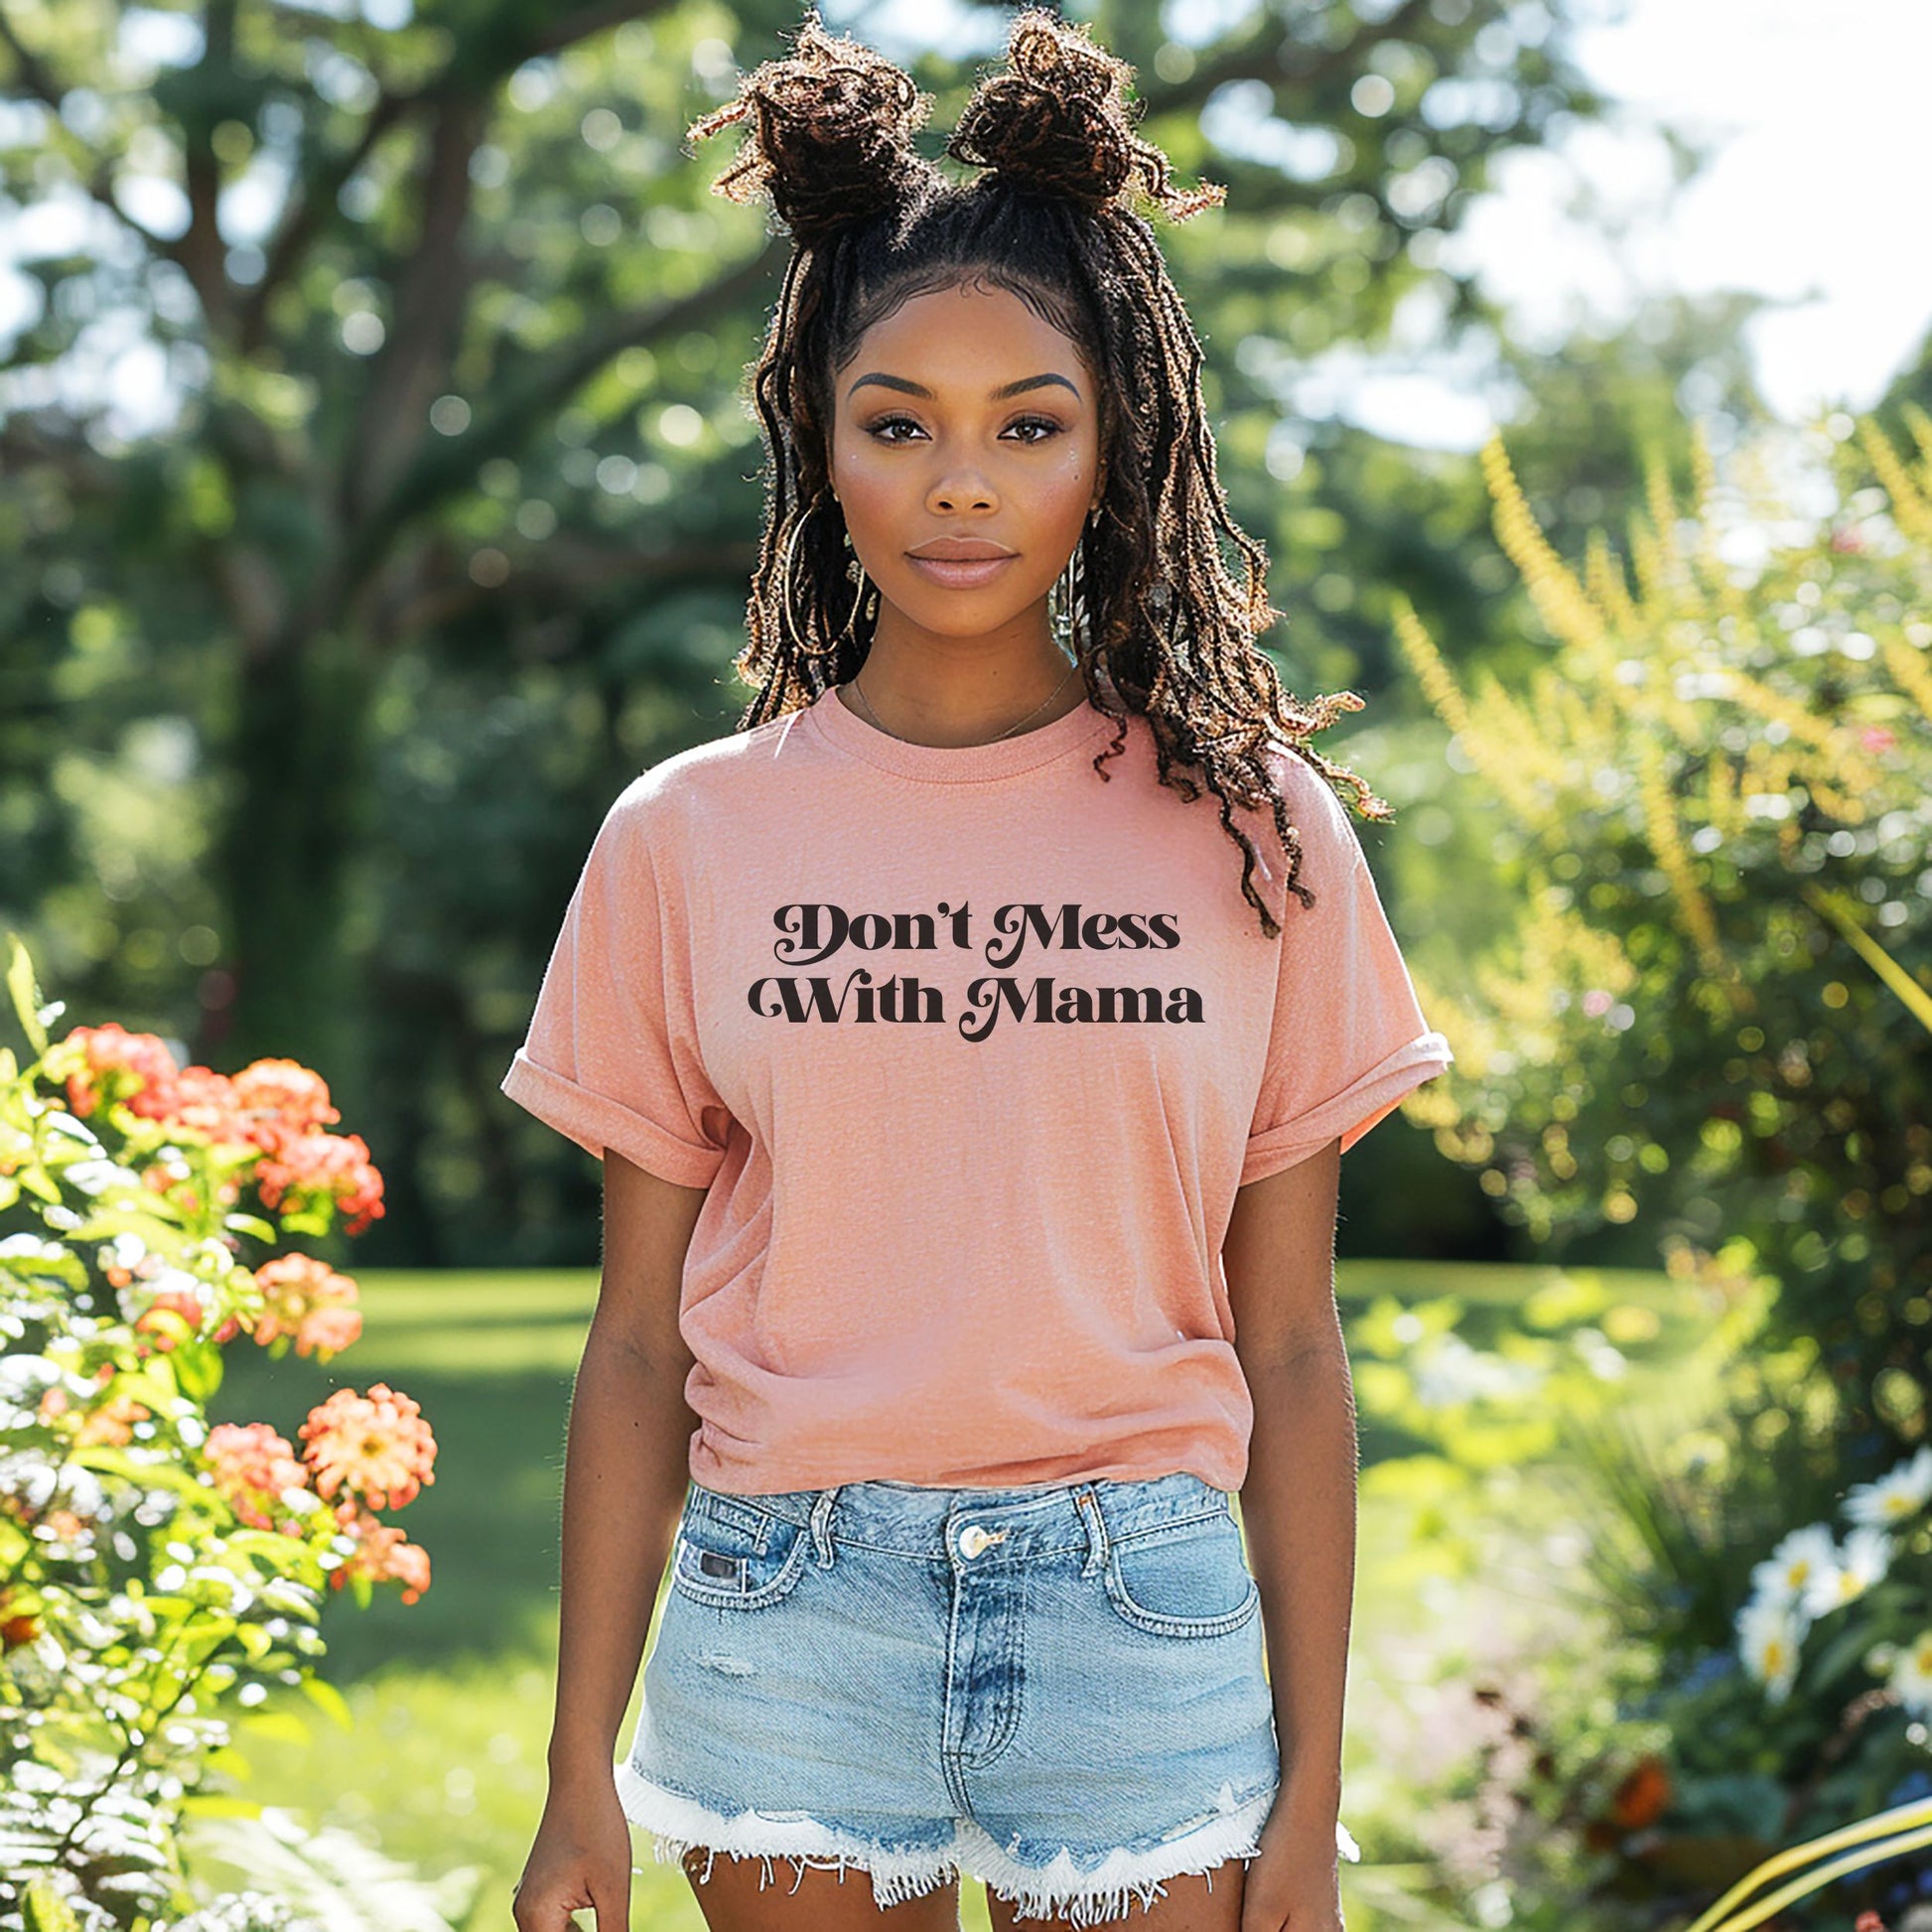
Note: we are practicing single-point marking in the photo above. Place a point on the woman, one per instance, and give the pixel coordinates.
(970, 1107)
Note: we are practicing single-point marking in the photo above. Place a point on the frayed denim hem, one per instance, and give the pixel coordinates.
(1058, 1890)
(1062, 1891)
(680, 1826)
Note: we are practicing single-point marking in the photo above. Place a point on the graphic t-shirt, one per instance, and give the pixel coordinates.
(971, 1047)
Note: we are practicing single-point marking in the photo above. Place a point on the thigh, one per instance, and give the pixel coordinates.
(1186, 1906)
(739, 1896)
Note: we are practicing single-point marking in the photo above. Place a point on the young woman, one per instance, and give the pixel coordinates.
(970, 1094)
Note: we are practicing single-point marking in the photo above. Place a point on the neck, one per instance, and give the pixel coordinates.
(951, 692)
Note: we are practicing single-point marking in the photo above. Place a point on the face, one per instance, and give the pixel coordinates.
(926, 447)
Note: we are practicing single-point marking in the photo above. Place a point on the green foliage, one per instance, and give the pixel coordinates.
(156, 1575)
(1710, 782)
(1710, 1024)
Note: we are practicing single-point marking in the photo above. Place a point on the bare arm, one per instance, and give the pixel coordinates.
(625, 1465)
(1297, 1505)
(625, 1470)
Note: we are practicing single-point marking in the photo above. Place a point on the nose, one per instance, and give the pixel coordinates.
(953, 494)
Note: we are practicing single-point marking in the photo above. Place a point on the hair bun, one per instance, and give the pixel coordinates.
(831, 138)
(1057, 121)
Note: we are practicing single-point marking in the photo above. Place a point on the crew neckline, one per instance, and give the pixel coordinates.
(999, 758)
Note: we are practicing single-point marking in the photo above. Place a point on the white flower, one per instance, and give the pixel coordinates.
(1451, 1373)
(22, 1247)
(1784, 1574)
(24, 1380)
(97, 1176)
(1911, 1675)
(29, 1474)
(1896, 1494)
(1863, 1559)
(1770, 1632)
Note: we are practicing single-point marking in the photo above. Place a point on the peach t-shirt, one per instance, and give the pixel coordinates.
(971, 1047)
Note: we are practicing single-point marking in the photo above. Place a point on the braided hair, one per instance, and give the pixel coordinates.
(1164, 629)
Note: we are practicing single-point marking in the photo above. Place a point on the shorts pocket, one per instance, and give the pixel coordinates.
(1183, 1580)
(733, 1556)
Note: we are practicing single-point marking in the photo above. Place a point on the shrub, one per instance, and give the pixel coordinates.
(155, 1573)
(1714, 806)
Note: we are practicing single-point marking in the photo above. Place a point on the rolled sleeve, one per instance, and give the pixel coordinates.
(610, 1060)
(1349, 1039)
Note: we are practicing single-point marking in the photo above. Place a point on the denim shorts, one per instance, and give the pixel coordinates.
(1056, 1689)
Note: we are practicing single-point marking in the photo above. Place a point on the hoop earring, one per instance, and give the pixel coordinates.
(801, 641)
(1069, 605)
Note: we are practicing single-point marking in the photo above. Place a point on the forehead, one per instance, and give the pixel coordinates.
(969, 336)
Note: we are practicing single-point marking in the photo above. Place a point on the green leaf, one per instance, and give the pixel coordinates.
(27, 1002)
(47, 1910)
(197, 1370)
(280, 1726)
(321, 1692)
(222, 1804)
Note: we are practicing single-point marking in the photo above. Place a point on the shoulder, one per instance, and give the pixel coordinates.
(1314, 808)
(664, 801)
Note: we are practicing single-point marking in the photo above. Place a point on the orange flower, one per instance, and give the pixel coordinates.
(65, 1525)
(17, 1626)
(377, 1446)
(115, 1064)
(252, 1465)
(202, 1100)
(112, 1421)
(308, 1300)
(324, 1166)
(281, 1100)
(1643, 1795)
(380, 1554)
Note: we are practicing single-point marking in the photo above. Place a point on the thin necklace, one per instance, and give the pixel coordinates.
(1010, 730)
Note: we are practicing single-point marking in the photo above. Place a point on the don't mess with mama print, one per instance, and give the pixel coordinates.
(1016, 940)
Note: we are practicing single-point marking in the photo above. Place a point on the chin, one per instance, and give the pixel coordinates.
(959, 614)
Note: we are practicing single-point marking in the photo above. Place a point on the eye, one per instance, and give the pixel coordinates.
(1052, 428)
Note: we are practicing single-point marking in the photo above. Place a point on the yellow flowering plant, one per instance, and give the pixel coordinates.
(158, 1573)
(1711, 801)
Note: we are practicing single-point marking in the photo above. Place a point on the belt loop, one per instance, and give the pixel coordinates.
(1089, 1506)
(821, 1517)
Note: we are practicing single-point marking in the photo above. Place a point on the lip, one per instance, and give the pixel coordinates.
(962, 573)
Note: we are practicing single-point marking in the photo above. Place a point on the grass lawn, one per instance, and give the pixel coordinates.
(444, 1764)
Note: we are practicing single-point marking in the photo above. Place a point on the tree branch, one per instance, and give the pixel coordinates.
(312, 202)
(306, 207)
(1270, 53)
(40, 82)
(429, 293)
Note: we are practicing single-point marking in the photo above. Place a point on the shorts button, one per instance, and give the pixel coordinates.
(972, 1540)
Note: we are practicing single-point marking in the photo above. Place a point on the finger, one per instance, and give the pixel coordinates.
(611, 1903)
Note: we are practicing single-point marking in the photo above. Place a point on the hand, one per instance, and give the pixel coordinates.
(1294, 1882)
(581, 1861)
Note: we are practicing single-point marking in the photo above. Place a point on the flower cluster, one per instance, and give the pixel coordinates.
(157, 1570)
(366, 1452)
(1808, 1577)
(277, 1110)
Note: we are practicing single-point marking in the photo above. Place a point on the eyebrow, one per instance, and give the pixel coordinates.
(1000, 394)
